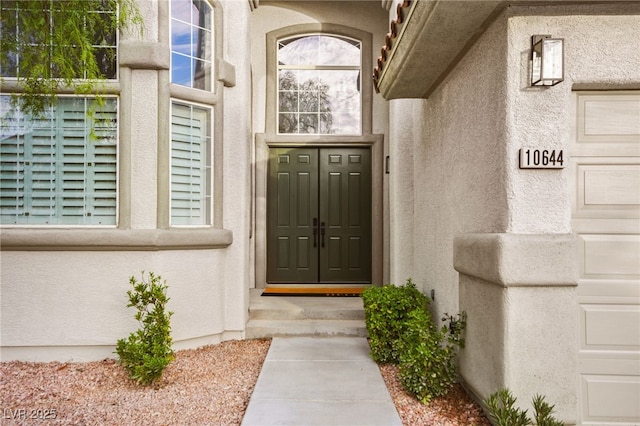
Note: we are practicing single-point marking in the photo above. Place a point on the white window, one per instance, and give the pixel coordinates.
(59, 168)
(319, 79)
(192, 50)
(54, 12)
(191, 159)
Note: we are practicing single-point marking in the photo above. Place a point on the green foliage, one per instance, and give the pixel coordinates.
(401, 331)
(386, 313)
(50, 45)
(147, 352)
(310, 95)
(543, 412)
(428, 355)
(501, 410)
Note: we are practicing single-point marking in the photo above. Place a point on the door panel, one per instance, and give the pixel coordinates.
(346, 203)
(293, 188)
(319, 215)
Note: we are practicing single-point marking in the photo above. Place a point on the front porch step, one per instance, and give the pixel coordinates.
(277, 316)
(305, 327)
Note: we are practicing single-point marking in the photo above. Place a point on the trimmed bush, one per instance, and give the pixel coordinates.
(386, 313)
(401, 331)
(428, 366)
(147, 352)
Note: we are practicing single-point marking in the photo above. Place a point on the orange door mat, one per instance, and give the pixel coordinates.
(313, 291)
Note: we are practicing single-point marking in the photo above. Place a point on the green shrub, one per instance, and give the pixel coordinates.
(428, 355)
(401, 331)
(386, 310)
(147, 352)
(501, 410)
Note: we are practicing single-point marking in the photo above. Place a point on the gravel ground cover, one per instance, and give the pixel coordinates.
(454, 409)
(206, 386)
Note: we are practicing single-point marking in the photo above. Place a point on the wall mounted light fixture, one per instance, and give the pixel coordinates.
(547, 60)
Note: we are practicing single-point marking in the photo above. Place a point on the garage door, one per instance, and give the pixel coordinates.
(605, 168)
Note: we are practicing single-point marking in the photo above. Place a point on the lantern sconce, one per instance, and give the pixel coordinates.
(547, 60)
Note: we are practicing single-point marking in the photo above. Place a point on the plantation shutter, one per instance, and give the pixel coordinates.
(190, 165)
(103, 159)
(12, 166)
(61, 168)
(40, 164)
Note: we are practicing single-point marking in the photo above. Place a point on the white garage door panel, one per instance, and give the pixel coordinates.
(611, 327)
(610, 185)
(617, 255)
(611, 399)
(606, 226)
(608, 117)
(609, 291)
(607, 190)
(605, 171)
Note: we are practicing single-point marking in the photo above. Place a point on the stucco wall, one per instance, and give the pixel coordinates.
(406, 119)
(601, 52)
(72, 305)
(467, 187)
(69, 302)
(458, 162)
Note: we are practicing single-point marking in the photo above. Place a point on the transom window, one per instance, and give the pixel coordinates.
(319, 78)
(192, 50)
(59, 168)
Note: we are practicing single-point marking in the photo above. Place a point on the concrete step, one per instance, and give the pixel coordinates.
(257, 328)
(279, 316)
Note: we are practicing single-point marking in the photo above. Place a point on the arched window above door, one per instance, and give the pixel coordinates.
(319, 79)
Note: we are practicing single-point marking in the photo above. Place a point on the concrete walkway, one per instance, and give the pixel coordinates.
(320, 381)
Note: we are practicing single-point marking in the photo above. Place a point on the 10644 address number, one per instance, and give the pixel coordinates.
(534, 158)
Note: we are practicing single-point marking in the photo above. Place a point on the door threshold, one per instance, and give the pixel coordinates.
(297, 290)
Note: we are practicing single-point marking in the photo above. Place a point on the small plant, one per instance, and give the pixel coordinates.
(501, 410)
(386, 314)
(147, 352)
(543, 412)
(428, 366)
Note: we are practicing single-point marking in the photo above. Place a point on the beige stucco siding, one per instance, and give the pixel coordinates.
(51, 300)
(601, 52)
(507, 231)
(459, 166)
(63, 292)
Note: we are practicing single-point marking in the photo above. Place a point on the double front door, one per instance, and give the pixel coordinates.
(319, 215)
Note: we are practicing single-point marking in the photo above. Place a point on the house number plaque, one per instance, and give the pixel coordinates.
(535, 158)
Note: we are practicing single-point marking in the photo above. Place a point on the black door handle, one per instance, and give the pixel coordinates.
(315, 232)
(322, 232)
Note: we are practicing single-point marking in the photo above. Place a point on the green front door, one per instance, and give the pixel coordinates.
(319, 215)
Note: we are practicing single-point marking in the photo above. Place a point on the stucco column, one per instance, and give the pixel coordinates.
(519, 294)
(405, 128)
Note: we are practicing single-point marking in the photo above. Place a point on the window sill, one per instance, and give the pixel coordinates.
(30, 239)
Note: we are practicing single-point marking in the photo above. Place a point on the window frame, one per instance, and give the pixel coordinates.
(172, 92)
(213, 43)
(209, 178)
(59, 171)
(366, 59)
(115, 47)
(317, 67)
